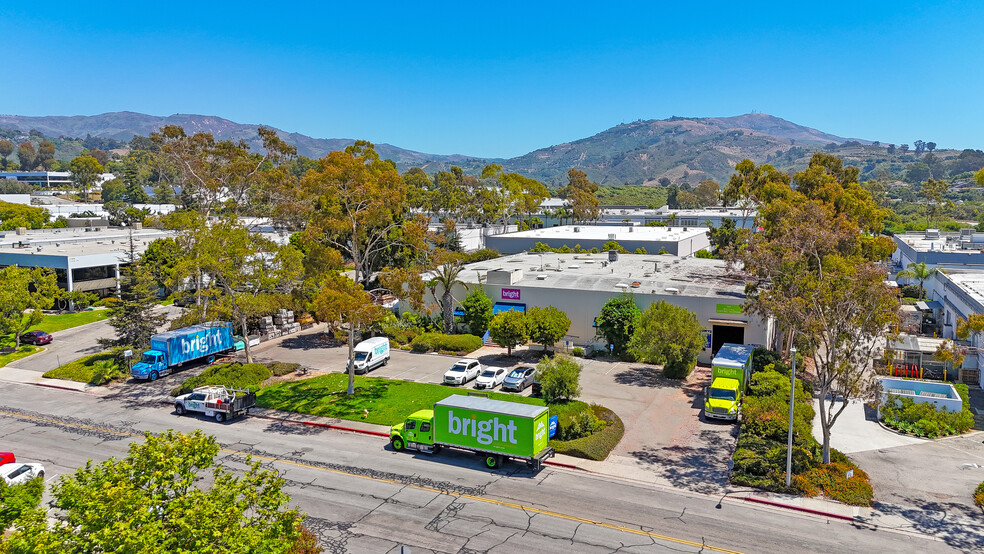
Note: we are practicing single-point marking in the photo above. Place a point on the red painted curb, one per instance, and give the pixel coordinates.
(352, 429)
(59, 387)
(799, 508)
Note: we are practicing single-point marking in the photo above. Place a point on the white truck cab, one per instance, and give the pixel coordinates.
(371, 353)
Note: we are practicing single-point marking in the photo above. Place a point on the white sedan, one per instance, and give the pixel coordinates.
(16, 474)
(490, 378)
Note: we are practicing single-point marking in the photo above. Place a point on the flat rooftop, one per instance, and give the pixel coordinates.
(604, 232)
(971, 283)
(660, 274)
(72, 242)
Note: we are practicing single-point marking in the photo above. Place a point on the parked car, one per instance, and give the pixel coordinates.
(519, 379)
(185, 300)
(17, 474)
(7, 458)
(463, 371)
(37, 338)
(490, 378)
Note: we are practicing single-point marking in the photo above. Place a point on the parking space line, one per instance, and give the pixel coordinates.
(613, 368)
(403, 373)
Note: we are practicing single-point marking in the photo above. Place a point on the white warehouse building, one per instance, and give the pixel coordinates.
(679, 241)
(581, 284)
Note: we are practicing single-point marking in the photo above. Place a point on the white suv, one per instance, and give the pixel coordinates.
(18, 473)
(463, 371)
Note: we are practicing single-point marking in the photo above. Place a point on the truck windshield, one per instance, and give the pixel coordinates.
(361, 356)
(148, 359)
(723, 394)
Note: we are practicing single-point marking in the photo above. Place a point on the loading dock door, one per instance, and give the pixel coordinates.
(721, 334)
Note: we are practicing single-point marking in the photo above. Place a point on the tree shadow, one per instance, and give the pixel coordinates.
(958, 525)
(296, 428)
(312, 341)
(701, 468)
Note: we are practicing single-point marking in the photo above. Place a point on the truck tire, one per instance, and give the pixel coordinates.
(154, 375)
(493, 461)
(397, 443)
(179, 408)
(220, 417)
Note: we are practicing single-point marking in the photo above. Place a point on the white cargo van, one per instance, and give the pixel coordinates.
(371, 353)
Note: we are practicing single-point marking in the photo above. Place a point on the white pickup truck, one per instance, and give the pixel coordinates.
(216, 401)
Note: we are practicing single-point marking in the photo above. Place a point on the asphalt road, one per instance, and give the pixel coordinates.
(361, 496)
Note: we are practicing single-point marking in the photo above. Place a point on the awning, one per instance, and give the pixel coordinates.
(931, 305)
(732, 322)
(506, 307)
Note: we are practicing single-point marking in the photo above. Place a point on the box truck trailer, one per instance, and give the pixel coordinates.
(172, 349)
(495, 429)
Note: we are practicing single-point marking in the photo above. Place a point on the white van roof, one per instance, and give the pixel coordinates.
(372, 343)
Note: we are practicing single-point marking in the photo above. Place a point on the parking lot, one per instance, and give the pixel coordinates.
(665, 434)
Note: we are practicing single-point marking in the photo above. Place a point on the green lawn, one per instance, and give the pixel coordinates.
(97, 369)
(22, 352)
(52, 323)
(388, 401)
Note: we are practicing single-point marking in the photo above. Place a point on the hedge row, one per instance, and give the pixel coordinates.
(234, 375)
(439, 342)
(979, 496)
(598, 445)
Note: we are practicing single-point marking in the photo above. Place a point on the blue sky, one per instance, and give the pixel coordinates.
(501, 78)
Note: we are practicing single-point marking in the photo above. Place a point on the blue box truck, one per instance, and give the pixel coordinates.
(173, 348)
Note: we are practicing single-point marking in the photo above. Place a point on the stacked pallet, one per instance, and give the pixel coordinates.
(284, 319)
(268, 330)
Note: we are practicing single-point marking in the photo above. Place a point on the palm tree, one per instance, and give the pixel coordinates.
(920, 272)
(446, 275)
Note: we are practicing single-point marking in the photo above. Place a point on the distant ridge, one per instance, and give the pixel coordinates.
(682, 149)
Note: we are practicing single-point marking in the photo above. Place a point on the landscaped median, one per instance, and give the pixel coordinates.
(22, 352)
(97, 369)
(60, 322)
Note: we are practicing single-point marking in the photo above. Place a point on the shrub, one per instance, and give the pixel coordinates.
(598, 445)
(831, 479)
(703, 254)
(283, 368)
(580, 425)
(577, 351)
(458, 344)
(97, 369)
(979, 496)
(558, 377)
(924, 419)
(235, 375)
(482, 255)
(17, 498)
(910, 291)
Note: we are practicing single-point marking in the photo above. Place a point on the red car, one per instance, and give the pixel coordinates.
(37, 338)
(7, 458)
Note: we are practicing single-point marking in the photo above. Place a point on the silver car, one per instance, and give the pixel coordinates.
(519, 378)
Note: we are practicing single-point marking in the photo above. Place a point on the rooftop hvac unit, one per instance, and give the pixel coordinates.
(672, 290)
(22, 230)
(611, 236)
(577, 229)
(613, 255)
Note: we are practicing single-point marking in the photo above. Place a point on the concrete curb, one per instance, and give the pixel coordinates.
(798, 508)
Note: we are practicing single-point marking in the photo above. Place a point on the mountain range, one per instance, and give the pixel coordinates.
(682, 149)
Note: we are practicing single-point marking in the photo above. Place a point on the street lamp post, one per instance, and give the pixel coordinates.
(792, 396)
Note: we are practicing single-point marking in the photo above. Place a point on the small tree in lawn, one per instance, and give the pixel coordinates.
(133, 318)
(617, 322)
(478, 311)
(509, 329)
(547, 325)
(23, 289)
(668, 335)
(559, 378)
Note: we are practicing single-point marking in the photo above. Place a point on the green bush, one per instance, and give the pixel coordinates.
(577, 351)
(17, 498)
(979, 496)
(598, 445)
(459, 344)
(559, 378)
(235, 375)
(831, 479)
(924, 419)
(283, 368)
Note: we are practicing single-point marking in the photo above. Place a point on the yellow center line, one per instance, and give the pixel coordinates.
(400, 483)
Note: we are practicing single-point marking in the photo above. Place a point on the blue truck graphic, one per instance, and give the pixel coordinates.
(173, 348)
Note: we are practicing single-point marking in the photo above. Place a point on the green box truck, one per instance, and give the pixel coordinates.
(730, 371)
(496, 429)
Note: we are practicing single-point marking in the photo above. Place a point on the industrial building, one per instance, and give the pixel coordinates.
(41, 179)
(679, 241)
(84, 259)
(581, 284)
(962, 249)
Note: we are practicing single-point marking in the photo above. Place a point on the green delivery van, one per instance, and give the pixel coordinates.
(496, 429)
